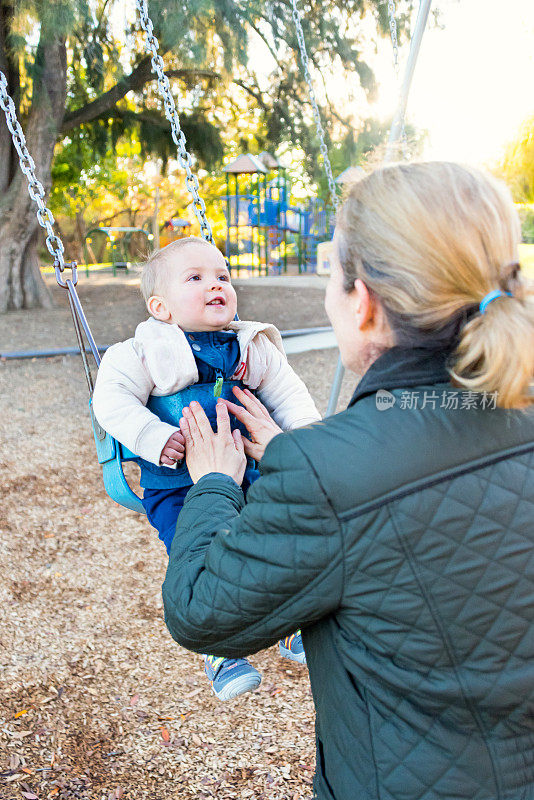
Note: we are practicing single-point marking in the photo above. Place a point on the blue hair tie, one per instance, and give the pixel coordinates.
(484, 303)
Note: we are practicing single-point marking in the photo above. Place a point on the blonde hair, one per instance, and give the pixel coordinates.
(430, 241)
(157, 268)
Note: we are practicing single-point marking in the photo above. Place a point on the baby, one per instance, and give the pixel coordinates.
(192, 340)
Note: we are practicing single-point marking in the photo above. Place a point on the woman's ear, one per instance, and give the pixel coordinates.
(370, 314)
(158, 308)
(364, 304)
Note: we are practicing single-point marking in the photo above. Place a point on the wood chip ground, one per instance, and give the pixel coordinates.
(96, 700)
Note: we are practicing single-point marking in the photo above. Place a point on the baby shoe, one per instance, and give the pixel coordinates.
(230, 677)
(291, 647)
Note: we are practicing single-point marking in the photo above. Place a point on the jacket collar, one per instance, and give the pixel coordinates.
(401, 367)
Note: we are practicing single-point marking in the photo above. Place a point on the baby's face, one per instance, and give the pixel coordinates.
(199, 295)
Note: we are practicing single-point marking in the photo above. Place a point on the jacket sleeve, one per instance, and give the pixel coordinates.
(122, 388)
(282, 391)
(242, 576)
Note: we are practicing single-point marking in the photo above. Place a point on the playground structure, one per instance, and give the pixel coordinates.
(120, 247)
(172, 230)
(116, 247)
(265, 231)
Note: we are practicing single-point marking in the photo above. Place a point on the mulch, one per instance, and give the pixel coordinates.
(96, 700)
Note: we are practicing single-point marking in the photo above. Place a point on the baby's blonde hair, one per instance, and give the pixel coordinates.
(157, 268)
(430, 241)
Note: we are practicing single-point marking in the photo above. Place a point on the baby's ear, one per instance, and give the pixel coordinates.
(157, 308)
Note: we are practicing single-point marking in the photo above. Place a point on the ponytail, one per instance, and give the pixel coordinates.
(496, 352)
(431, 241)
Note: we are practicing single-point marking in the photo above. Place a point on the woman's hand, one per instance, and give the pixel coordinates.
(206, 451)
(256, 419)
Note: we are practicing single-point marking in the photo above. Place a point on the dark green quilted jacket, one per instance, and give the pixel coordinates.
(401, 539)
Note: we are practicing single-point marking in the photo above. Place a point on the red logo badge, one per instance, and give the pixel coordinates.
(240, 371)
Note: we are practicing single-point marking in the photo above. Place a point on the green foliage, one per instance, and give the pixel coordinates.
(228, 100)
(154, 134)
(216, 35)
(526, 215)
(57, 17)
(517, 165)
(78, 178)
(359, 147)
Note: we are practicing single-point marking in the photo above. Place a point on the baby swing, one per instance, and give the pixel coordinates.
(111, 453)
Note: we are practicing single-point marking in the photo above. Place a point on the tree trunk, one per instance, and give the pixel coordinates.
(10, 68)
(81, 233)
(21, 284)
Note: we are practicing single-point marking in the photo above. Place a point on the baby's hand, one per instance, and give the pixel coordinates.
(173, 451)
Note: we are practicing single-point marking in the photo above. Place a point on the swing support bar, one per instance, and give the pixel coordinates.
(395, 134)
(415, 46)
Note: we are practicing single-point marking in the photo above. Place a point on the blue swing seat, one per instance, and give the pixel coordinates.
(111, 453)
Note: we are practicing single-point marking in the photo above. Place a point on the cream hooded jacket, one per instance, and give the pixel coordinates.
(158, 360)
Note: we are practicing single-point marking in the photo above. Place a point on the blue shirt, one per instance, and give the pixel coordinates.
(217, 355)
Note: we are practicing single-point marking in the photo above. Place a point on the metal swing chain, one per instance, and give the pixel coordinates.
(178, 136)
(46, 219)
(35, 187)
(393, 32)
(396, 62)
(317, 117)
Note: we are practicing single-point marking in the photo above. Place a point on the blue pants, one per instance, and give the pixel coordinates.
(162, 507)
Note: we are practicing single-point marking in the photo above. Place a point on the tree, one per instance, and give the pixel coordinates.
(68, 72)
(95, 186)
(20, 283)
(516, 168)
(517, 164)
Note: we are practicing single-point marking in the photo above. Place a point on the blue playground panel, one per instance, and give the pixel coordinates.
(282, 229)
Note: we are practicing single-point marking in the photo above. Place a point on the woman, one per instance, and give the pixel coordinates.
(398, 534)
